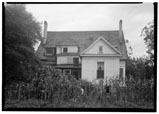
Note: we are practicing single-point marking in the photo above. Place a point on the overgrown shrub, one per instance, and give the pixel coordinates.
(50, 85)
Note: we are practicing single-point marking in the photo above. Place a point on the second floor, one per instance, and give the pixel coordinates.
(61, 50)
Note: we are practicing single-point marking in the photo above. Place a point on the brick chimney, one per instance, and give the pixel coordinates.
(120, 31)
(45, 32)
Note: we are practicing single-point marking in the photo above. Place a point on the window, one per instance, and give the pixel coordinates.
(100, 65)
(76, 60)
(65, 50)
(100, 70)
(76, 74)
(49, 51)
(121, 74)
(66, 71)
(100, 49)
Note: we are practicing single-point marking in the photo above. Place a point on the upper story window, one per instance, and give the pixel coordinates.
(65, 50)
(75, 60)
(49, 51)
(100, 49)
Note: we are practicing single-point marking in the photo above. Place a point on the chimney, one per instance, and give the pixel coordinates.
(45, 32)
(120, 31)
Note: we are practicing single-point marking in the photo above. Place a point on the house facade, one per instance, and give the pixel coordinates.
(88, 55)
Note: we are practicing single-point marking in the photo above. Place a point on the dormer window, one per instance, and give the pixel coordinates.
(100, 49)
(49, 51)
(65, 50)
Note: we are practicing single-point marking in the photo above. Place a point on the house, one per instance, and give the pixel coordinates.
(88, 55)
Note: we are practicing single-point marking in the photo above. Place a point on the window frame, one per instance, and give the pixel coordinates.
(50, 48)
(65, 48)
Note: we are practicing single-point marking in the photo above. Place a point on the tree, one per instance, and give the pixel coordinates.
(142, 68)
(148, 34)
(129, 48)
(21, 33)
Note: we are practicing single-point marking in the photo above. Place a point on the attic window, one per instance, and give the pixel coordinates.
(65, 50)
(100, 49)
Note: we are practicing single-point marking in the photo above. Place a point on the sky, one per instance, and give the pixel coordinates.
(91, 17)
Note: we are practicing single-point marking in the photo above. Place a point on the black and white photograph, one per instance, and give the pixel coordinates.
(79, 56)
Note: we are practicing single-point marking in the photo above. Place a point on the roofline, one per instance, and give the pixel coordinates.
(67, 45)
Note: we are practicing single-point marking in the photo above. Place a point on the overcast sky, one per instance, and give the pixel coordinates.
(91, 17)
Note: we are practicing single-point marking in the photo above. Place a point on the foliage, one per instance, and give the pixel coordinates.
(49, 88)
(21, 33)
(129, 48)
(47, 84)
(139, 68)
(148, 34)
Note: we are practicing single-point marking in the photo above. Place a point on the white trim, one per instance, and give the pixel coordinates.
(105, 42)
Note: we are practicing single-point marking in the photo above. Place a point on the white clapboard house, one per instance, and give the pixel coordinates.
(88, 55)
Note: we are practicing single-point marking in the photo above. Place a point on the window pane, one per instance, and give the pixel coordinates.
(49, 51)
(121, 74)
(76, 60)
(100, 65)
(65, 50)
(100, 74)
(100, 70)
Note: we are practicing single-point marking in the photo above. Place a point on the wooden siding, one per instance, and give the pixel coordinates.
(71, 49)
(89, 67)
(65, 59)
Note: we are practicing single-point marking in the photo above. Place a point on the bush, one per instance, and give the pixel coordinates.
(51, 86)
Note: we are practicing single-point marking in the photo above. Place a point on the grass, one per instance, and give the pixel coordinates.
(89, 103)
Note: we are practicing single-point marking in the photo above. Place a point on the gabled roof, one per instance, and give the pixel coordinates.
(101, 38)
(83, 39)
